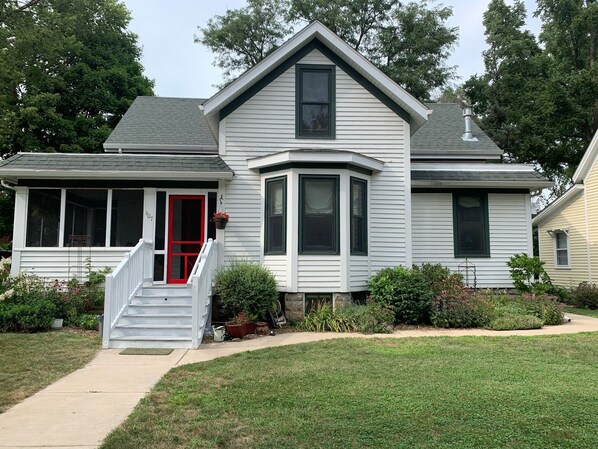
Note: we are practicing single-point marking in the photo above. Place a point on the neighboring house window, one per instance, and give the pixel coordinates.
(315, 101)
(561, 248)
(276, 204)
(359, 231)
(43, 218)
(318, 214)
(470, 222)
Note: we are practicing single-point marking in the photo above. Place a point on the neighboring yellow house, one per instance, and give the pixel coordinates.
(568, 228)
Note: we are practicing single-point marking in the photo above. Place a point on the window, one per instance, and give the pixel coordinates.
(561, 249)
(275, 232)
(470, 221)
(315, 94)
(319, 214)
(127, 217)
(85, 219)
(314, 301)
(359, 231)
(43, 217)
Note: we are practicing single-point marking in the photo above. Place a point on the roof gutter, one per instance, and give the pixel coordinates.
(10, 175)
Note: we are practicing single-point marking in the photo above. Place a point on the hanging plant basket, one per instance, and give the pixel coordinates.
(220, 219)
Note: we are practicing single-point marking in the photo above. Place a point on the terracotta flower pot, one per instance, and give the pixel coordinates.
(235, 330)
(261, 328)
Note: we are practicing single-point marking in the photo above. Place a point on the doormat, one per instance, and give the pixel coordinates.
(146, 351)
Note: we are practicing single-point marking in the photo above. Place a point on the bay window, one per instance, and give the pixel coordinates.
(275, 230)
(319, 214)
(358, 216)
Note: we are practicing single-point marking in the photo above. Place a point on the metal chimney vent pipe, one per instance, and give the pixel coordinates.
(468, 135)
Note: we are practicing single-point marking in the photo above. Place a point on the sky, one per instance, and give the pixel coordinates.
(182, 68)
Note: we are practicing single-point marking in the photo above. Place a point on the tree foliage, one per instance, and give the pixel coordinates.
(70, 70)
(410, 42)
(538, 98)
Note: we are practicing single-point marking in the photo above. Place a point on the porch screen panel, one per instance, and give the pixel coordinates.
(43, 218)
(85, 218)
(127, 217)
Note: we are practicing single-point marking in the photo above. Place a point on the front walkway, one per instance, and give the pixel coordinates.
(80, 409)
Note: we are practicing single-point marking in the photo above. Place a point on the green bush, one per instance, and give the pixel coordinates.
(438, 277)
(403, 290)
(528, 274)
(460, 308)
(246, 287)
(585, 295)
(88, 321)
(369, 318)
(515, 322)
(545, 308)
(26, 317)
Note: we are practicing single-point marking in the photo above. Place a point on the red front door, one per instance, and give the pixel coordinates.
(186, 222)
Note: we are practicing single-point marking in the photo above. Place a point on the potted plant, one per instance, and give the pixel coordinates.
(249, 323)
(220, 219)
(236, 327)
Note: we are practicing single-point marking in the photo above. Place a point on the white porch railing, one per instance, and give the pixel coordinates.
(200, 280)
(124, 282)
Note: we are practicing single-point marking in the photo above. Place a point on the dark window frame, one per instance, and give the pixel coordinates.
(299, 70)
(485, 253)
(336, 243)
(267, 250)
(364, 232)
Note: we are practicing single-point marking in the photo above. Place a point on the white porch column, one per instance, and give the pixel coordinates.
(149, 214)
(19, 228)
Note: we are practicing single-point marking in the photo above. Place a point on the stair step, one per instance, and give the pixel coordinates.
(144, 299)
(156, 318)
(154, 326)
(158, 309)
(150, 342)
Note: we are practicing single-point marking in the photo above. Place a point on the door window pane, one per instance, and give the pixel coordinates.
(127, 217)
(319, 214)
(85, 219)
(160, 220)
(43, 217)
(276, 216)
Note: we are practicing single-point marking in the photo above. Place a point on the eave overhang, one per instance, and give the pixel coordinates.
(315, 157)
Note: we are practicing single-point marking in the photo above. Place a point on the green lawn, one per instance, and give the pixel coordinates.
(30, 362)
(470, 392)
(577, 310)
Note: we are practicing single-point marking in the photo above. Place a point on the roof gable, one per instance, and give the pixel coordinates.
(587, 162)
(315, 35)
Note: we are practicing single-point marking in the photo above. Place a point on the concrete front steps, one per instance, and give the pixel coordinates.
(158, 317)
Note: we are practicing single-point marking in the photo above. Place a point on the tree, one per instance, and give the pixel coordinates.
(409, 42)
(538, 98)
(70, 71)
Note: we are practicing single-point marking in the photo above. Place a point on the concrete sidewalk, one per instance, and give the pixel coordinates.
(80, 409)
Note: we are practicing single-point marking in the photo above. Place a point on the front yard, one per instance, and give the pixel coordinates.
(30, 362)
(471, 392)
(580, 311)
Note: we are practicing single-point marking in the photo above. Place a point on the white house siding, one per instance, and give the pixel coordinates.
(67, 263)
(360, 273)
(509, 234)
(319, 274)
(278, 267)
(265, 124)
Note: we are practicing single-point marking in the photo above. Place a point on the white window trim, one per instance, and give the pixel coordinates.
(556, 260)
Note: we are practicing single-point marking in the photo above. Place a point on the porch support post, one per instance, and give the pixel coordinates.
(19, 228)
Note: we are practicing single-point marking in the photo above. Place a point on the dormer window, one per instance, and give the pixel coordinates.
(315, 105)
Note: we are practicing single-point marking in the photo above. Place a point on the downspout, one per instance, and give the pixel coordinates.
(6, 186)
(585, 204)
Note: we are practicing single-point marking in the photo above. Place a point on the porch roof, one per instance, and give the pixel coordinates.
(113, 166)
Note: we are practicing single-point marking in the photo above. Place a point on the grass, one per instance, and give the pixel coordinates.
(470, 392)
(30, 362)
(579, 311)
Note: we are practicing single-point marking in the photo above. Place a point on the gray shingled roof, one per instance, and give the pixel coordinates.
(39, 163)
(442, 134)
(499, 177)
(163, 123)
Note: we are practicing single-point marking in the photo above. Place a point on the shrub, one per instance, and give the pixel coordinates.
(458, 307)
(528, 274)
(246, 287)
(88, 321)
(438, 277)
(585, 295)
(515, 322)
(403, 290)
(26, 317)
(545, 308)
(369, 318)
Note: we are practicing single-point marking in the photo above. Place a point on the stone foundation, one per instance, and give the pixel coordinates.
(294, 308)
(341, 300)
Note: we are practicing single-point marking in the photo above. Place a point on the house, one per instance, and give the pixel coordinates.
(329, 170)
(568, 227)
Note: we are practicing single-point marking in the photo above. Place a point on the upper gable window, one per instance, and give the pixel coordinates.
(315, 105)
